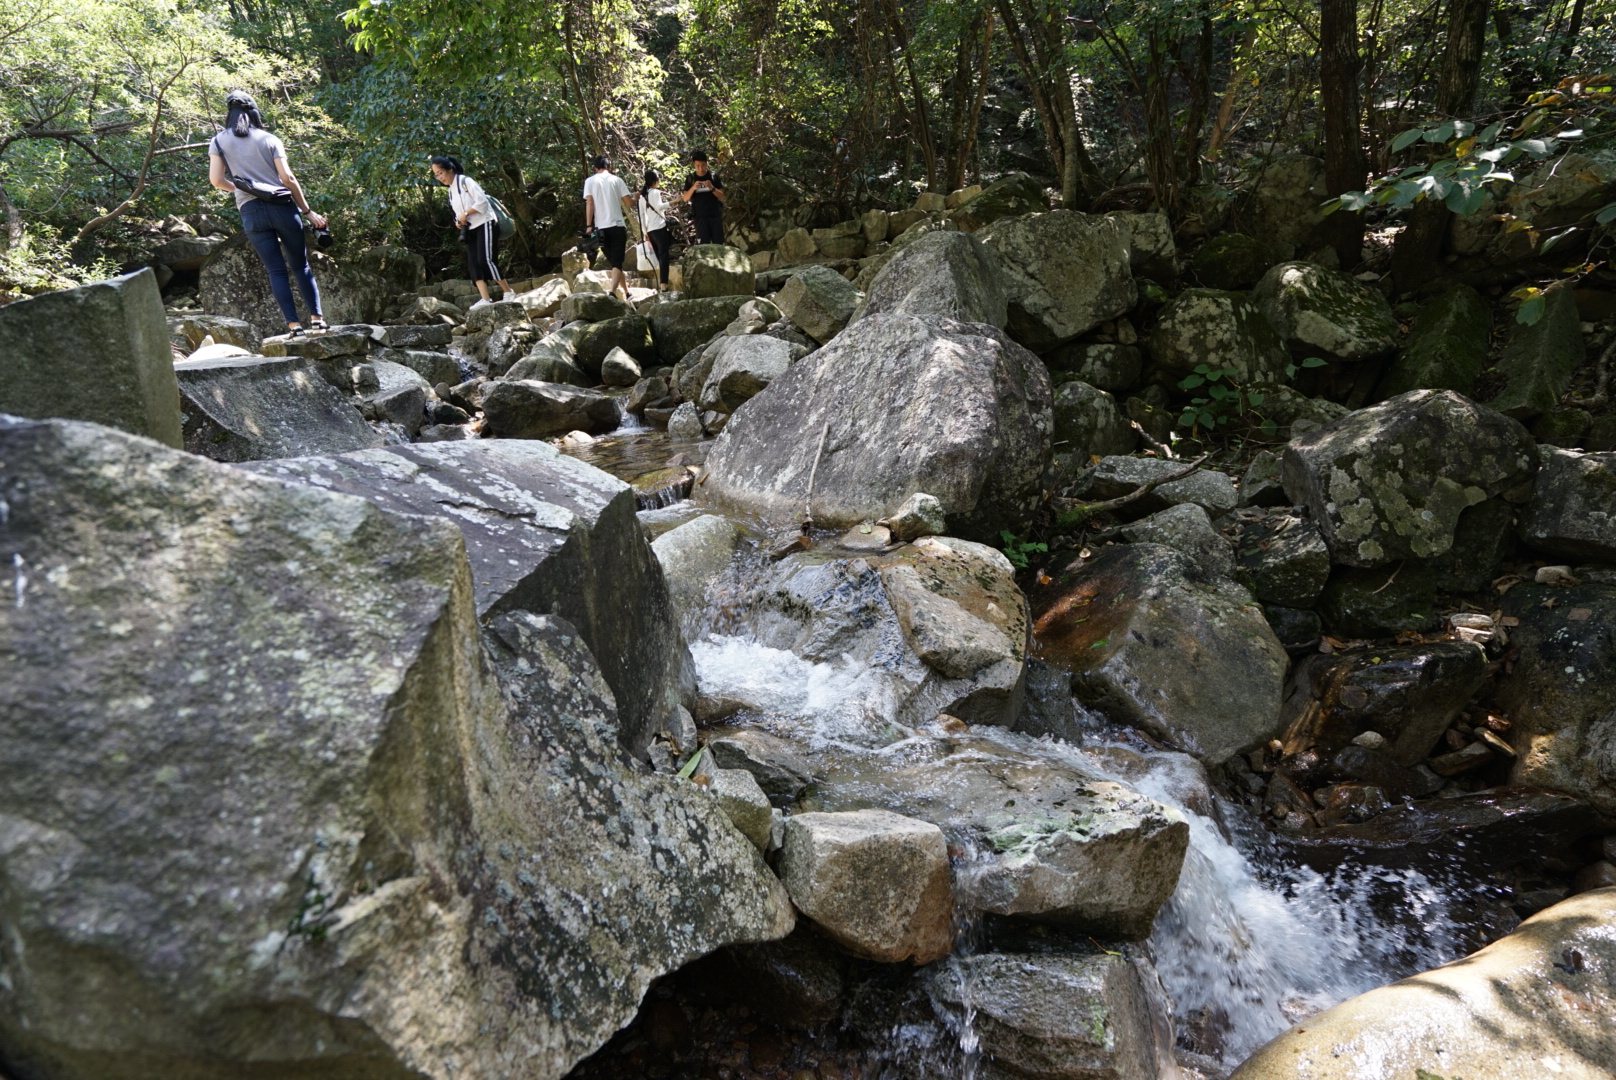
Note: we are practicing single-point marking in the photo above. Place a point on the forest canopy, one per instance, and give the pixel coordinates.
(106, 106)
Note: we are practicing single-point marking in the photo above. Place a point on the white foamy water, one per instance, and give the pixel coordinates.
(840, 701)
(1246, 946)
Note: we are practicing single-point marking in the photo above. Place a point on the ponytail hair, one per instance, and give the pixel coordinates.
(448, 163)
(242, 115)
(651, 177)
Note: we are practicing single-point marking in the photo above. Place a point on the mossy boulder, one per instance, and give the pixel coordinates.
(1221, 330)
(1064, 273)
(1539, 359)
(1323, 312)
(717, 270)
(1087, 421)
(1013, 195)
(1389, 482)
(1447, 348)
(1232, 261)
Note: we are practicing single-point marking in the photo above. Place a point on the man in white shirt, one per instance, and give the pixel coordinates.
(605, 199)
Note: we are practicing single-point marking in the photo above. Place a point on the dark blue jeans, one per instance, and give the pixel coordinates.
(270, 229)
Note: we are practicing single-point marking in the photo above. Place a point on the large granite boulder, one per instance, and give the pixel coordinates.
(1324, 312)
(1056, 1016)
(1535, 1003)
(233, 282)
(716, 270)
(1152, 641)
(1573, 509)
(682, 325)
(1539, 359)
(1065, 273)
(1447, 349)
(1389, 482)
(526, 409)
(1560, 693)
(1224, 331)
(246, 408)
(267, 810)
(948, 275)
(224, 331)
(99, 352)
(1151, 250)
(544, 533)
(895, 405)
(692, 557)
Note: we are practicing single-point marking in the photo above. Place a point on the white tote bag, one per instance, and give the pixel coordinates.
(644, 254)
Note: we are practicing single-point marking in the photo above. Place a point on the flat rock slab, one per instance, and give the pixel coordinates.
(545, 533)
(527, 409)
(264, 773)
(248, 408)
(98, 353)
(1536, 1003)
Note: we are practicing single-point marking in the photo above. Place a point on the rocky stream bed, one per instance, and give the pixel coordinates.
(818, 672)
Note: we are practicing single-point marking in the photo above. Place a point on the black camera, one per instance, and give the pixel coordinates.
(322, 238)
(589, 242)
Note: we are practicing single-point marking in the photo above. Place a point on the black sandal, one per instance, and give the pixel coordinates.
(319, 325)
(295, 332)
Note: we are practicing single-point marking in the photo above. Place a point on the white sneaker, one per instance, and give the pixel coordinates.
(478, 304)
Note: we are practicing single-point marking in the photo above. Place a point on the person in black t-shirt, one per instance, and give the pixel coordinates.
(704, 191)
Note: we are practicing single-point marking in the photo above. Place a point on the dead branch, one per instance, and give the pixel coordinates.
(1165, 451)
(1602, 374)
(1075, 517)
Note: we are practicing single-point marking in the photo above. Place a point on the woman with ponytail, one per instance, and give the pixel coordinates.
(654, 222)
(479, 227)
(250, 163)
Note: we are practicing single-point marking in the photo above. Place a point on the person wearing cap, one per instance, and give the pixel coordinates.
(250, 163)
(605, 199)
(704, 191)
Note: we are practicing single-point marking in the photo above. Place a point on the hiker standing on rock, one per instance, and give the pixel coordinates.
(605, 199)
(704, 191)
(654, 221)
(479, 227)
(250, 163)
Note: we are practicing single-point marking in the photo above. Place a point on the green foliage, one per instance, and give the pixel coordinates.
(1225, 398)
(1310, 362)
(1017, 550)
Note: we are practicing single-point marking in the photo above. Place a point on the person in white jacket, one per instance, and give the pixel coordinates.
(478, 226)
(653, 206)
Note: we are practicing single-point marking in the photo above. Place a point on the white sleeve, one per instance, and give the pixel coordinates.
(476, 200)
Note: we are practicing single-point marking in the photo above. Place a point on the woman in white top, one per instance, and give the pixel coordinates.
(654, 221)
(479, 228)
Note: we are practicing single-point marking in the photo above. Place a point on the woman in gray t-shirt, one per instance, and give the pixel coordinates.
(245, 151)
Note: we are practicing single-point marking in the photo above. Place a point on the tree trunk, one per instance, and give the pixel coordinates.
(1344, 168)
(1231, 92)
(13, 233)
(1417, 257)
(1572, 31)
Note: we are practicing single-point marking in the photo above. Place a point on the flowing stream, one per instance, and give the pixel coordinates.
(1252, 941)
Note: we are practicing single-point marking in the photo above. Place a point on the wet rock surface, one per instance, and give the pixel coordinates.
(1155, 642)
(1536, 997)
(1055, 1017)
(538, 410)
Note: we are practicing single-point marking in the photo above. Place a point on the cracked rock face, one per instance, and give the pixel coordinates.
(546, 533)
(1389, 482)
(272, 803)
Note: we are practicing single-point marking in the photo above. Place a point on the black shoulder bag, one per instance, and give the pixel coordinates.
(259, 190)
